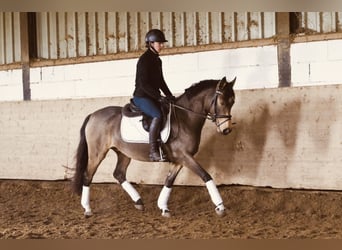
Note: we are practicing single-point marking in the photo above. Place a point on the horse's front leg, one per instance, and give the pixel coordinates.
(215, 197)
(211, 186)
(166, 191)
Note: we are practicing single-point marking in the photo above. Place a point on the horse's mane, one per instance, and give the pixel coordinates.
(198, 87)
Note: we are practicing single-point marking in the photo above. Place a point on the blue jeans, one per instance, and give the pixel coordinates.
(147, 106)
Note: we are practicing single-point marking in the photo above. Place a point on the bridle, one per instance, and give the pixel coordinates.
(210, 116)
(215, 116)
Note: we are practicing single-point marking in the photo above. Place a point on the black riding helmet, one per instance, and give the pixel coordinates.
(155, 35)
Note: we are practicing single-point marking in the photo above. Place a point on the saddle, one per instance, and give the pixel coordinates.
(131, 110)
(135, 124)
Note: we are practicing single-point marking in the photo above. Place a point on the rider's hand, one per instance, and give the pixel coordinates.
(171, 99)
(162, 99)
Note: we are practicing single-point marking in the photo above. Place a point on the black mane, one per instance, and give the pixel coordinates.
(198, 87)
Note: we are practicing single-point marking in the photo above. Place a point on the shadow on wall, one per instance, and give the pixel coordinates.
(323, 117)
(250, 146)
(286, 122)
(234, 153)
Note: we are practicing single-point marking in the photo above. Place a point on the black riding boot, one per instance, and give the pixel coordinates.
(154, 136)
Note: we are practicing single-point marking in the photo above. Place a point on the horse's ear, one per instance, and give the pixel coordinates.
(222, 83)
(233, 82)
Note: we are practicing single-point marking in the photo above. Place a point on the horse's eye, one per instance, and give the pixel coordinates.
(231, 100)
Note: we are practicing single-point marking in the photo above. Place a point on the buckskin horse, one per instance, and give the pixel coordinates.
(100, 132)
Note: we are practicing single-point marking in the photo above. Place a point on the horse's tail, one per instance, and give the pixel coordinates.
(81, 160)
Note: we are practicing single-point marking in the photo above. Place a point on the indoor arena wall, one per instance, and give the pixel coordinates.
(283, 138)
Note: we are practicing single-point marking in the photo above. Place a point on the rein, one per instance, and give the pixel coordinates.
(209, 116)
(191, 111)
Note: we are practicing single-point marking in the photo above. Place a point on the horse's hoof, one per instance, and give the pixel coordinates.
(88, 214)
(166, 213)
(220, 210)
(139, 205)
(220, 213)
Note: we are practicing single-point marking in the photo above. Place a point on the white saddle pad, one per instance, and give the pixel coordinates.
(133, 131)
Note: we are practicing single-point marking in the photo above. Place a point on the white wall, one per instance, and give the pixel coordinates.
(314, 63)
(11, 87)
(254, 67)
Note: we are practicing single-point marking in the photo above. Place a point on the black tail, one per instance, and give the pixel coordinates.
(81, 160)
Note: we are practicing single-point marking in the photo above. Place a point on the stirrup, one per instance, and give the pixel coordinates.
(158, 157)
(162, 155)
(154, 159)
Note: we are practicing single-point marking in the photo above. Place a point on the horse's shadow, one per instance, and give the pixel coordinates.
(239, 158)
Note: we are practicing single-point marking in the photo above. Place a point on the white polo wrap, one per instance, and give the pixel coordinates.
(213, 192)
(164, 197)
(85, 198)
(132, 192)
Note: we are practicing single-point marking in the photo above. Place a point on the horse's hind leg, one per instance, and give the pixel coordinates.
(94, 160)
(120, 175)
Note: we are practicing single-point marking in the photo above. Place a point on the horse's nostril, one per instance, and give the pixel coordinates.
(227, 131)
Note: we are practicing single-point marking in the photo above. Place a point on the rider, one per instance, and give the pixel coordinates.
(148, 83)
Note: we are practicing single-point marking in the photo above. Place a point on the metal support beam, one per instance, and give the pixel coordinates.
(283, 48)
(25, 55)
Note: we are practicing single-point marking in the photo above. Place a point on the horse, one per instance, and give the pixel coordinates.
(205, 100)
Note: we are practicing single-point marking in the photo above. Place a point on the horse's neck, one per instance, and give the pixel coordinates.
(202, 102)
(197, 106)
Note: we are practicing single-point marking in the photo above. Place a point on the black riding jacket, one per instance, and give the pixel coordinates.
(149, 78)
